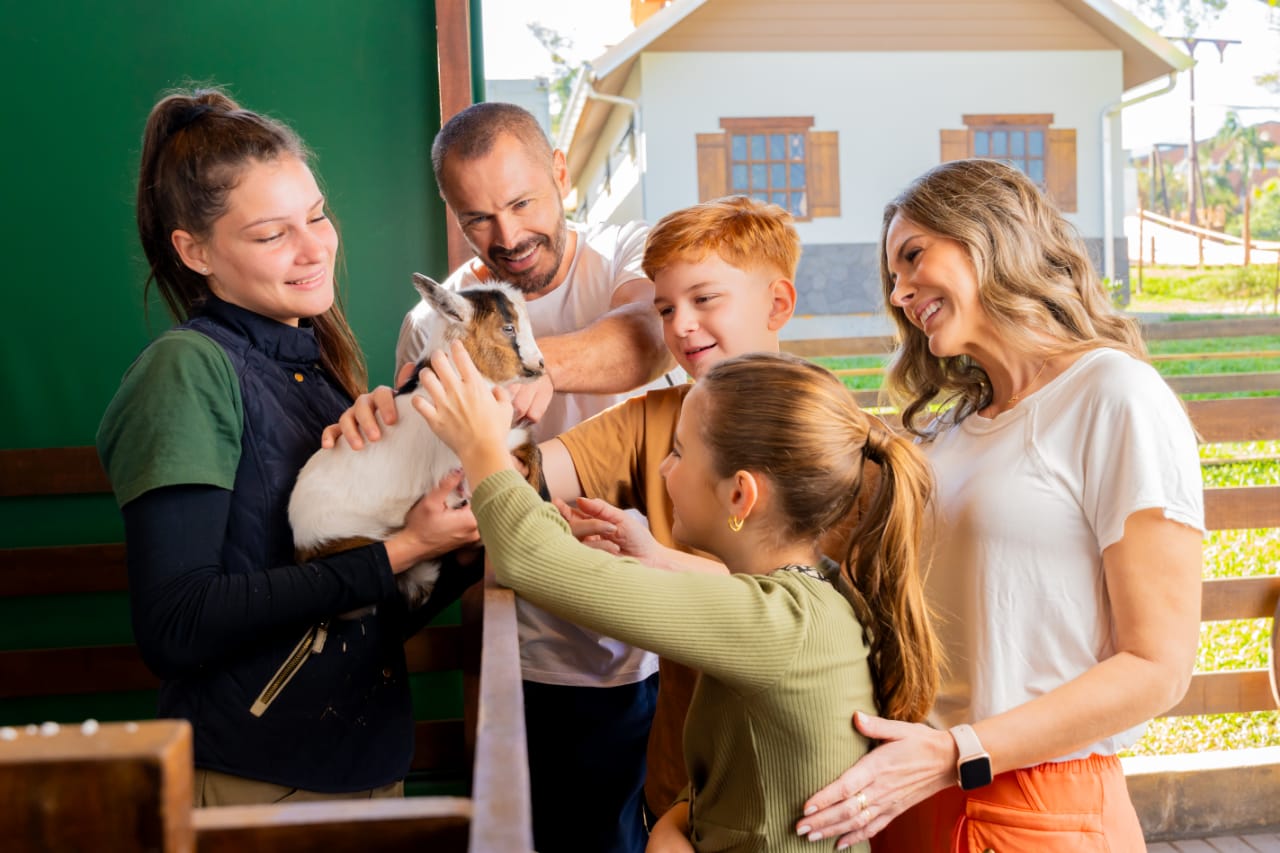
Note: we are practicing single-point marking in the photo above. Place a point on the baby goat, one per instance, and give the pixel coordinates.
(344, 498)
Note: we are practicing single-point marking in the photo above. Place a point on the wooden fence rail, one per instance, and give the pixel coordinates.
(486, 748)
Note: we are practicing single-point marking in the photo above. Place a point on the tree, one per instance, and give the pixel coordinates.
(1243, 146)
(1189, 13)
(1271, 80)
(1266, 213)
(566, 71)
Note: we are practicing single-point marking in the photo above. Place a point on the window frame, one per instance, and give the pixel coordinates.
(767, 126)
(1024, 123)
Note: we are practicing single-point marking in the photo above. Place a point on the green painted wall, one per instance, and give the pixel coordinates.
(358, 81)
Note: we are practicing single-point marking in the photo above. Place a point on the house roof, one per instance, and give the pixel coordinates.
(758, 25)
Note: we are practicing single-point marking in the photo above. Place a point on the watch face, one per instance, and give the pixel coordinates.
(975, 773)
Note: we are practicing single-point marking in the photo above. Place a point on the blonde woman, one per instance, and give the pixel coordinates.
(1066, 544)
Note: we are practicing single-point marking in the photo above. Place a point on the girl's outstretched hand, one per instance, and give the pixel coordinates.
(911, 762)
(466, 411)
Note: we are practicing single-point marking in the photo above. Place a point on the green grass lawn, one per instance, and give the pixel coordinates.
(1227, 645)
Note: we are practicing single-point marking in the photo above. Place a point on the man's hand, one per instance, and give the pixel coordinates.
(530, 399)
(603, 526)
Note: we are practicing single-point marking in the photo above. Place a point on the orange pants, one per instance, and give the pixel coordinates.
(1079, 806)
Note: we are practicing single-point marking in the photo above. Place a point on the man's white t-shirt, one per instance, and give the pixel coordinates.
(552, 650)
(1027, 502)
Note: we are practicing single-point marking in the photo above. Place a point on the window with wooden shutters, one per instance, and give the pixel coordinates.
(779, 160)
(1027, 142)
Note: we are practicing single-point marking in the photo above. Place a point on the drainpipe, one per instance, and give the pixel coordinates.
(634, 106)
(1108, 208)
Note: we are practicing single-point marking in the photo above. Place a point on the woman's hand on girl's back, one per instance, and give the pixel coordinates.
(671, 833)
(911, 762)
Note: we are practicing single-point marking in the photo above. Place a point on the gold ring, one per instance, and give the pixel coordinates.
(862, 801)
(866, 817)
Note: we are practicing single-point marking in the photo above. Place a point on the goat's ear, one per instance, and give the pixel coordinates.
(445, 301)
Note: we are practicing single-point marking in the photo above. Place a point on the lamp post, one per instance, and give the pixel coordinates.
(1194, 189)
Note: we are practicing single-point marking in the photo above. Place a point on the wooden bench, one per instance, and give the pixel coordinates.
(471, 669)
(1210, 793)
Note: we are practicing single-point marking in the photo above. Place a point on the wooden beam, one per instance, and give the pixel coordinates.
(62, 569)
(337, 826)
(1193, 329)
(1239, 598)
(73, 672)
(1226, 693)
(122, 786)
(1240, 419)
(503, 821)
(437, 648)
(834, 347)
(440, 745)
(1242, 508)
(453, 40)
(99, 669)
(1214, 356)
(51, 471)
(1224, 383)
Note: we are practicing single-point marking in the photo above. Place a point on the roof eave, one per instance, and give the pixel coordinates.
(1139, 36)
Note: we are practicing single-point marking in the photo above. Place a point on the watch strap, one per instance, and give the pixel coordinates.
(967, 741)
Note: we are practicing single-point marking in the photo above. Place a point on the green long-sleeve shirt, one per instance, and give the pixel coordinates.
(781, 655)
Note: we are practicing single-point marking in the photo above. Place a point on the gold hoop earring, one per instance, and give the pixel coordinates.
(735, 523)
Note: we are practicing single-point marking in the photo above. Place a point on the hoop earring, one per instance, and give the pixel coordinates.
(735, 523)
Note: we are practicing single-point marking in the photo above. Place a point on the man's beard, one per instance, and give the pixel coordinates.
(532, 282)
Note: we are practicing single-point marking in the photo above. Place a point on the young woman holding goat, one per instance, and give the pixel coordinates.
(202, 443)
(787, 646)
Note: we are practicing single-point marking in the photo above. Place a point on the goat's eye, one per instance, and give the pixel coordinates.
(509, 329)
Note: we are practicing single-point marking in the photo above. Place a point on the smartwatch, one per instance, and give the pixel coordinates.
(973, 768)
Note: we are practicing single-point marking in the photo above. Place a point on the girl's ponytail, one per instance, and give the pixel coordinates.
(885, 578)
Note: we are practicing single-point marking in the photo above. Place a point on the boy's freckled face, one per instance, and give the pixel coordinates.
(712, 310)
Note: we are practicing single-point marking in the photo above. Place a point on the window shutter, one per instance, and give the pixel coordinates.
(713, 166)
(824, 173)
(1060, 169)
(955, 145)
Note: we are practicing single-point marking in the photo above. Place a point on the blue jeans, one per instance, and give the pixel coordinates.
(586, 765)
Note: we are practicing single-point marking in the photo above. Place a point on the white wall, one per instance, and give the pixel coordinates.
(888, 108)
(529, 93)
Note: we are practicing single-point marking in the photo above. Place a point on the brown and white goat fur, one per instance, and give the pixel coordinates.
(344, 498)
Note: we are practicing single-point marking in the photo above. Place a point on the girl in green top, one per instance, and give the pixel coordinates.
(768, 456)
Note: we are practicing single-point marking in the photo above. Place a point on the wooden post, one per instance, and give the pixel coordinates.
(453, 40)
(123, 786)
(1141, 219)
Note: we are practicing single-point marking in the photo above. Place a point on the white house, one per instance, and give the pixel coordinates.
(830, 107)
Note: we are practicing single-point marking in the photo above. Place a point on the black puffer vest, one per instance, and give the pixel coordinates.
(344, 722)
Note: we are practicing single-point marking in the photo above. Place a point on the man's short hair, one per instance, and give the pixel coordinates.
(472, 132)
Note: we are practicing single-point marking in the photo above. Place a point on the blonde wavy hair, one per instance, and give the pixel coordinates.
(1035, 283)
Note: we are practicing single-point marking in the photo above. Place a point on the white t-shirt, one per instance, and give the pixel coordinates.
(1027, 502)
(553, 651)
